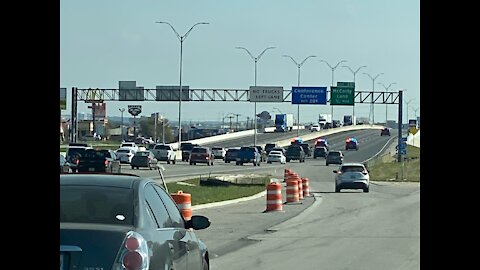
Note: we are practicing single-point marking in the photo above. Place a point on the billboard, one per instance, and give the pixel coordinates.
(63, 98)
(266, 93)
(129, 91)
(171, 93)
(100, 110)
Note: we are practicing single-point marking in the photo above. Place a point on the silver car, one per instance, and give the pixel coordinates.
(352, 176)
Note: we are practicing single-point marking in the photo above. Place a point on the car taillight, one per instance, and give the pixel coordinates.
(105, 162)
(133, 254)
(77, 161)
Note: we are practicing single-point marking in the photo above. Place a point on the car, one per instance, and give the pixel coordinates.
(334, 157)
(295, 152)
(336, 123)
(164, 152)
(201, 155)
(320, 151)
(144, 159)
(231, 154)
(186, 149)
(351, 143)
(269, 147)
(104, 161)
(74, 152)
(276, 156)
(248, 154)
(136, 221)
(321, 142)
(125, 155)
(131, 145)
(315, 127)
(283, 150)
(352, 176)
(219, 152)
(64, 165)
(263, 154)
(306, 149)
(385, 131)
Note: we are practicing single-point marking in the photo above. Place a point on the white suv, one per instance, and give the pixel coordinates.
(352, 176)
(315, 127)
(219, 152)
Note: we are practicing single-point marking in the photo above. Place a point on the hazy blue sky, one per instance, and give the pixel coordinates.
(106, 41)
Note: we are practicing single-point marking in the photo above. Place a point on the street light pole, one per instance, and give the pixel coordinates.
(386, 103)
(298, 84)
(372, 109)
(353, 107)
(181, 39)
(255, 59)
(408, 102)
(121, 126)
(333, 70)
(237, 114)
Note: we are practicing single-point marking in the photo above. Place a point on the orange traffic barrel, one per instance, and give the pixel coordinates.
(292, 191)
(274, 197)
(291, 176)
(184, 203)
(300, 188)
(306, 189)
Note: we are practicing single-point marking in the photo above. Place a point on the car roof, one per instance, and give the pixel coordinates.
(95, 179)
(353, 164)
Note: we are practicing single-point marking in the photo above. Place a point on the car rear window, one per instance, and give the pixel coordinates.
(162, 147)
(142, 154)
(334, 154)
(199, 150)
(127, 144)
(94, 204)
(123, 151)
(353, 168)
(217, 148)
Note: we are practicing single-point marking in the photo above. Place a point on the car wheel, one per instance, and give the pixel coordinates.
(367, 189)
(326, 164)
(174, 161)
(288, 160)
(133, 168)
(168, 161)
(191, 163)
(258, 164)
(269, 162)
(314, 157)
(337, 189)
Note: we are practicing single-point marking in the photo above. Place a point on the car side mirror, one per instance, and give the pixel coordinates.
(335, 171)
(197, 222)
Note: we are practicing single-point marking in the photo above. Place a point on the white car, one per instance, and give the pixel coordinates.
(164, 152)
(352, 176)
(130, 145)
(276, 156)
(315, 127)
(219, 152)
(125, 154)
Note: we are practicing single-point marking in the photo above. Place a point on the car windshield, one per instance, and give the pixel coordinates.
(217, 148)
(123, 151)
(127, 145)
(334, 154)
(94, 204)
(199, 150)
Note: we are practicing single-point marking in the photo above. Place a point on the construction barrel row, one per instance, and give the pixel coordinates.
(297, 189)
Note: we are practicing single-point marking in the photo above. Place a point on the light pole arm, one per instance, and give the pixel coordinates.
(186, 34)
(306, 59)
(260, 55)
(321, 60)
(295, 62)
(342, 61)
(175, 31)
(253, 57)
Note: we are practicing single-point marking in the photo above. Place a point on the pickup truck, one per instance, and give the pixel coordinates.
(248, 155)
(164, 152)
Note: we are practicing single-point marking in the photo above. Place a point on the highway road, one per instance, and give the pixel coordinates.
(370, 143)
(346, 230)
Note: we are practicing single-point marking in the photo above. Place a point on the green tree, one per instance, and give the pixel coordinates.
(147, 129)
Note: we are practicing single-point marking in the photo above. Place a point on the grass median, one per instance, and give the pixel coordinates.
(202, 194)
(391, 170)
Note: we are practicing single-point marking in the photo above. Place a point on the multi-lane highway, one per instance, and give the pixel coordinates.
(346, 230)
(370, 143)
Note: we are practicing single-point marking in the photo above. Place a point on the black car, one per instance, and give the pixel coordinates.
(320, 151)
(113, 221)
(269, 147)
(385, 131)
(74, 152)
(64, 165)
(306, 149)
(186, 150)
(144, 159)
(295, 152)
(99, 161)
(231, 154)
(334, 157)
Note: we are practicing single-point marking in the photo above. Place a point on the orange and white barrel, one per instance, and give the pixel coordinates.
(292, 191)
(306, 189)
(184, 203)
(274, 197)
(300, 188)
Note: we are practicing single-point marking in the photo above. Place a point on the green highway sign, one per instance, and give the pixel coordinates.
(342, 95)
(347, 84)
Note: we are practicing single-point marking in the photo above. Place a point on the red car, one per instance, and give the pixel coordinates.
(201, 155)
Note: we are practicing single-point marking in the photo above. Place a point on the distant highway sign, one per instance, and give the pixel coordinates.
(266, 93)
(309, 95)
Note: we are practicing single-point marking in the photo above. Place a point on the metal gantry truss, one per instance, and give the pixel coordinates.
(92, 95)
